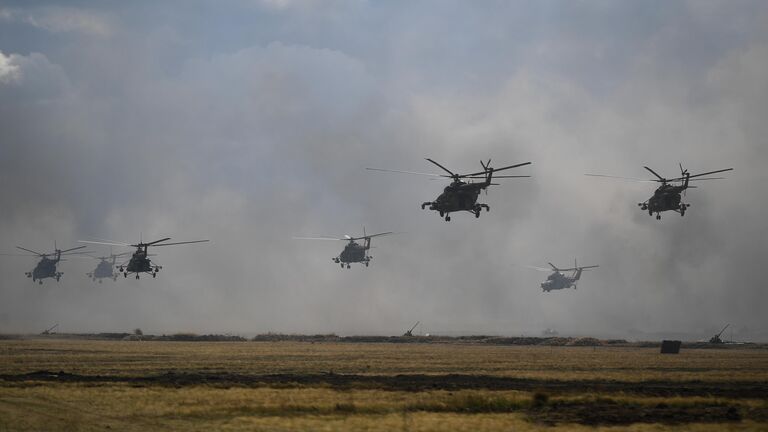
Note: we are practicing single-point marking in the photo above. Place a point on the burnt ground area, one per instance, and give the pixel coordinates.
(607, 412)
(415, 383)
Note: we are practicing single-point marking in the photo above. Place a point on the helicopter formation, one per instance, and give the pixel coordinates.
(105, 269)
(461, 195)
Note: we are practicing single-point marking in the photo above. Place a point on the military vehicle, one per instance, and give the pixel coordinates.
(353, 252)
(716, 338)
(668, 196)
(461, 195)
(558, 280)
(409, 333)
(140, 262)
(47, 266)
(105, 269)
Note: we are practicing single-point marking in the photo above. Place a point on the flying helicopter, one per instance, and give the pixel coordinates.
(105, 268)
(460, 195)
(557, 280)
(46, 267)
(668, 195)
(353, 252)
(140, 262)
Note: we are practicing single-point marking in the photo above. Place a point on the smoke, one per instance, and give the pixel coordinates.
(251, 123)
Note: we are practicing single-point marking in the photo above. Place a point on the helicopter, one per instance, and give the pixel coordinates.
(558, 281)
(353, 252)
(105, 268)
(461, 195)
(668, 195)
(46, 267)
(140, 262)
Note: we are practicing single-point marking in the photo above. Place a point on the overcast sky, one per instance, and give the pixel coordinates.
(250, 122)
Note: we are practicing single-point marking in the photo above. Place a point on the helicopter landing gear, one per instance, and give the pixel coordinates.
(99, 280)
(40, 281)
(342, 265)
(658, 216)
(349, 266)
(682, 209)
(137, 276)
(447, 218)
(477, 213)
(125, 274)
(366, 263)
(154, 275)
(442, 213)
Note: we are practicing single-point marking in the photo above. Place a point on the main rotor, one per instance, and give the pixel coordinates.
(685, 176)
(141, 245)
(484, 174)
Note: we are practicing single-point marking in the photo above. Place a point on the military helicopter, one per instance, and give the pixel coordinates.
(105, 268)
(46, 267)
(558, 281)
(668, 195)
(461, 195)
(353, 252)
(140, 262)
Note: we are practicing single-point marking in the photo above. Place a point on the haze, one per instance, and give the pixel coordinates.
(249, 122)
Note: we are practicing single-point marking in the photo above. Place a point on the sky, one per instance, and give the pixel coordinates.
(251, 122)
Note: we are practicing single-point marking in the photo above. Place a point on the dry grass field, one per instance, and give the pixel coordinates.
(59, 384)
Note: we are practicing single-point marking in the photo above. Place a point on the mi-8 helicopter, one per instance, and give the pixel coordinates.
(46, 267)
(353, 252)
(461, 195)
(140, 262)
(105, 269)
(557, 280)
(668, 196)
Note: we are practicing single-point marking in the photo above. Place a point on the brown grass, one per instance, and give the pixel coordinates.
(29, 405)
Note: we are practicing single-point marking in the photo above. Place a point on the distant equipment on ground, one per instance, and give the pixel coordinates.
(106, 267)
(670, 346)
(409, 333)
(140, 262)
(353, 252)
(558, 280)
(461, 195)
(716, 338)
(46, 267)
(50, 330)
(668, 195)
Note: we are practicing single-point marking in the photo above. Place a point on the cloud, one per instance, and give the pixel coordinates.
(57, 19)
(250, 134)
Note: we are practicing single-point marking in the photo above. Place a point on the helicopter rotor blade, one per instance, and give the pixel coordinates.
(444, 168)
(406, 172)
(372, 235)
(15, 254)
(154, 242)
(711, 172)
(29, 250)
(74, 248)
(654, 173)
(622, 178)
(541, 269)
(105, 243)
(318, 238)
(503, 176)
(177, 243)
(495, 169)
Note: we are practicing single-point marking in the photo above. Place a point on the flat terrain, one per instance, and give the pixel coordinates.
(60, 384)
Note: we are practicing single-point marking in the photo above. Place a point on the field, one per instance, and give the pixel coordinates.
(62, 384)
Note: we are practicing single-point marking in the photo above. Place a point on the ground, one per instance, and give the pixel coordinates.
(65, 384)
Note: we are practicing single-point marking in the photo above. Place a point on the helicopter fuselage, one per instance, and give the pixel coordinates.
(666, 198)
(458, 196)
(103, 270)
(558, 281)
(45, 268)
(140, 263)
(353, 253)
